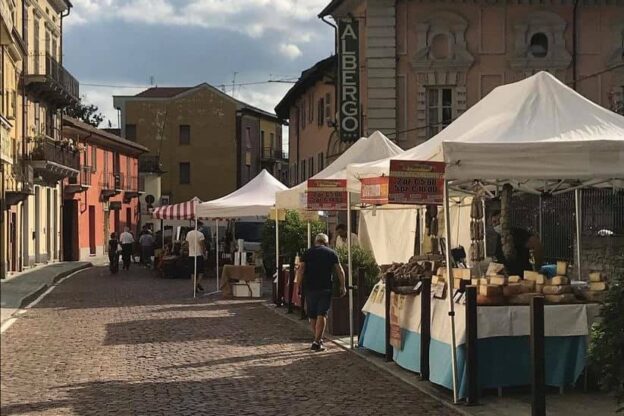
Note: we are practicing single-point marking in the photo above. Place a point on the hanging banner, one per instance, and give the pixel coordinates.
(327, 194)
(349, 80)
(374, 190)
(395, 326)
(416, 182)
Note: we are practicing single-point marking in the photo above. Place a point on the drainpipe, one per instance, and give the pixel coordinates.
(63, 15)
(574, 42)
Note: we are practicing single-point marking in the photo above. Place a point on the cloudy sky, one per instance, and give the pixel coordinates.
(117, 47)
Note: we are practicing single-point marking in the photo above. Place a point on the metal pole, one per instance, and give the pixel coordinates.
(484, 230)
(195, 242)
(449, 276)
(350, 268)
(538, 387)
(421, 220)
(309, 235)
(539, 224)
(217, 251)
(162, 232)
(277, 241)
(577, 204)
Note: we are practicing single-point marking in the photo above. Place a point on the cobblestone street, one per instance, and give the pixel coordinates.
(134, 344)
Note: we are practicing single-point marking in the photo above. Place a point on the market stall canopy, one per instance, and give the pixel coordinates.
(181, 211)
(537, 127)
(374, 147)
(256, 198)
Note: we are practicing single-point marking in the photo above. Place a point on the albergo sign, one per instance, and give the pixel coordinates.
(349, 73)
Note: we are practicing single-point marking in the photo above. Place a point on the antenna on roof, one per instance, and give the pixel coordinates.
(151, 80)
(234, 84)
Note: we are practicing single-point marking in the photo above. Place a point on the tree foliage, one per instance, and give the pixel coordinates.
(87, 113)
(361, 258)
(607, 346)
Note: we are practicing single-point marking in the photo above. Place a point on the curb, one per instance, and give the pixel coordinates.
(398, 373)
(34, 295)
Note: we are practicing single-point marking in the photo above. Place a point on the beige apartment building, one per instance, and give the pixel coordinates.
(310, 109)
(34, 88)
(202, 141)
(423, 63)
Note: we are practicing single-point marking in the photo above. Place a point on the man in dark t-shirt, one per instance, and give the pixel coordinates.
(315, 274)
(524, 242)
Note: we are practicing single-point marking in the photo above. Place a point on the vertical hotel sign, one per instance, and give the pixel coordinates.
(327, 194)
(416, 182)
(349, 73)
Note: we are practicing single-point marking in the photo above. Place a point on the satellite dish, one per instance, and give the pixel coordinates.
(150, 199)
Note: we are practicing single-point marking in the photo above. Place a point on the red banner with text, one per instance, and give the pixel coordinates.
(327, 194)
(374, 190)
(416, 182)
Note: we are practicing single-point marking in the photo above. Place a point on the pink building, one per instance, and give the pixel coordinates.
(103, 198)
(423, 63)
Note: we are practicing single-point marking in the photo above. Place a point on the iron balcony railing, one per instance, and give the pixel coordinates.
(112, 181)
(83, 178)
(269, 153)
(132, 184)
(55, 151)
(46, 65)
(149, 164)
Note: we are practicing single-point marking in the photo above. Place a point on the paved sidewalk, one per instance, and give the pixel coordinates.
(136, 344)
(22, 289)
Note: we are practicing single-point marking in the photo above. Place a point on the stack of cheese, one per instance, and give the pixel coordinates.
(558, 289)
(491, 287)
(597, 288)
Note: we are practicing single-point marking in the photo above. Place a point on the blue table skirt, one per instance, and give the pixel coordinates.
(502, 361)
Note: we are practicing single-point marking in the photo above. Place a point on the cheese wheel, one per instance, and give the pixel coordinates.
(562, 268)
(556, 290)
(563, 298)
(595, 277)
(559, 280)
(491, 290)
(514, 279)
(498, 280)
(598, 286)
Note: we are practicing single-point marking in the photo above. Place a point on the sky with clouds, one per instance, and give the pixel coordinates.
(117, 47)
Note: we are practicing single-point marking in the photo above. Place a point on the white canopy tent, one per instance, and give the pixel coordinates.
(254, 199)
(366, 149)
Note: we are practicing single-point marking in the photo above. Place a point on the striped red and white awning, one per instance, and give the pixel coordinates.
(181, 211)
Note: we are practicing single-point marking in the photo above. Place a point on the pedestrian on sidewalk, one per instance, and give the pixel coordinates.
(146, 241)
(127, 241)
(196, 248)
(113, 253)
(315, 274)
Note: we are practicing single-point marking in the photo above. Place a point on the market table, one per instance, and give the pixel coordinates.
(233, 273)
(503, 341)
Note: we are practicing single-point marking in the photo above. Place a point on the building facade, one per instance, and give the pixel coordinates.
(34, 88)
(309, 107)
(423, 63)
(104, 197)
(203, 142)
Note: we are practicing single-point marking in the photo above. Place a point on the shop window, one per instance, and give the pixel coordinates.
(185, 173)
(439, 109)
(539, 45)
(185, 134)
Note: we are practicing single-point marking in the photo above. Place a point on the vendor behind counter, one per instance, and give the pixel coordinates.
(525, 243)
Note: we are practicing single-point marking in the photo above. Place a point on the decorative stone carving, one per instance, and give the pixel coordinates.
(552, 26)
(431, 54)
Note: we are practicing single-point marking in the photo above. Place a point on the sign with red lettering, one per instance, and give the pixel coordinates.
(327, 194)
(374, 190)
(416, 182)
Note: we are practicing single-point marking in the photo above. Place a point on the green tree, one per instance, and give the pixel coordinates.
(607, 346)
(361, 258)
(87, 113)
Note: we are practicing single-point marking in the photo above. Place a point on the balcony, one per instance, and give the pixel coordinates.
(111, 184)
(6, 145)
(54, 160)
(270, 155)
(20, 185)
(51, 83)
(80, 183)
(133, 187)
(150, 164)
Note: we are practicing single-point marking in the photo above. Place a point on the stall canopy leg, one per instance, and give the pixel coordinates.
(577, 206)
(449, 278)
(217, 250)
(350, 268)
(195, 260)
(277, 242)
(309, 235)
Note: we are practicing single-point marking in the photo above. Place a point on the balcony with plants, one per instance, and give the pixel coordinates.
(50, 82)
(52, 160)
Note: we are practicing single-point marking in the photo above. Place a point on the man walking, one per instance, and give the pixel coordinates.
(127, 240)
(195, 240)
(146, 241)
(315, 273)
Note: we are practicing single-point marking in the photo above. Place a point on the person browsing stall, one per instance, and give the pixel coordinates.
(315, 274)
(524, 242)
(127, 241)
(341, 237)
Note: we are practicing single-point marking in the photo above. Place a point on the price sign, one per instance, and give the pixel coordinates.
(327, 194)
(375, 190)
(416, 182)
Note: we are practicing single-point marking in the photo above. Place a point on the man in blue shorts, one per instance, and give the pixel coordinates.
(315, 274)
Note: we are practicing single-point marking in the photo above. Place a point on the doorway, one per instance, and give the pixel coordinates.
(12, 242)
(71, 250)
(92, 230)
(129, 218)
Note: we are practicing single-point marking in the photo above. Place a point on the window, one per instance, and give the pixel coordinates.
(311, 108)
(321, 111)
(185, 173)
(131, 132)
(2, 105)
(310, 167)
(302, 171)
(248, 138)
(185, 134)
(328, 115)
(321, 161)
(303, 114)
(439, 109)
(273, 144)
(539, 45)
(262, 143)
(93, 158)
(37, 118)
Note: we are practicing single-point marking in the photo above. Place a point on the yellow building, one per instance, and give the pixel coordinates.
(34, 87)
